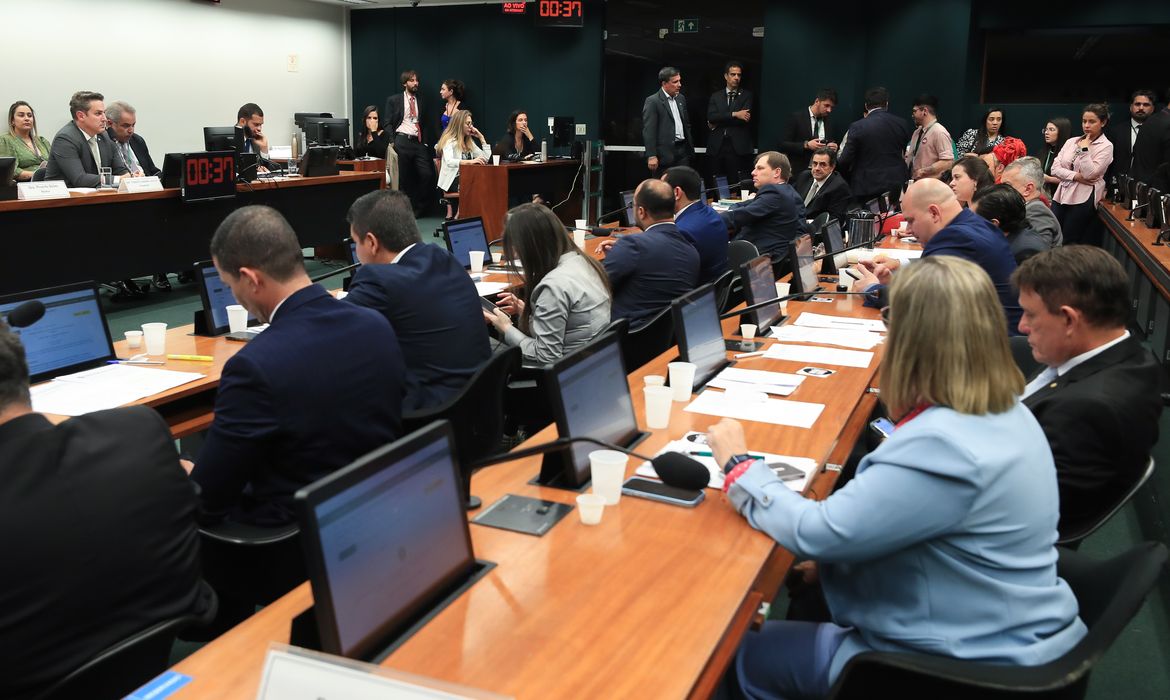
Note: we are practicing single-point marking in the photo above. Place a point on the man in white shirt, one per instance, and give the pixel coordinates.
(406, 117)
(1123, 133)
(1098, 398)
(666, 127)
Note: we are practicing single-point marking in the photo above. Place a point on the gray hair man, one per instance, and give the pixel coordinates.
(1026, 176)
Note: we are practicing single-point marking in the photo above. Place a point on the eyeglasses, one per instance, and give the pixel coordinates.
(885, 312)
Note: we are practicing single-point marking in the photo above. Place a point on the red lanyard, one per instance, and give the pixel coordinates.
(914, 413)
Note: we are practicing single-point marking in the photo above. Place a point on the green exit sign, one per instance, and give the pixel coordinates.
(686, 26)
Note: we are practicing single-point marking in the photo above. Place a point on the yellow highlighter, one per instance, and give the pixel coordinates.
(192, 358)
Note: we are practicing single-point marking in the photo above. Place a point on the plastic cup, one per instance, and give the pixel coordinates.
(476, 260)
(156, 338)
(682, 379)
(608, 468)
(579, 238)
(658, 401)
(495, 160)
(580, 223)
(590, 506)
(748, 330)
(237, 318)
(743, 194)
(783, 289)
(655, 380)
(497, 258)
(107, 176)
(133, 339)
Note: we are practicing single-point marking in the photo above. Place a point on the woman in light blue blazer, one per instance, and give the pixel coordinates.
(944, 541)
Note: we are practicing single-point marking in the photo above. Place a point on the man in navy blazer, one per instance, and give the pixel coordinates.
(775, 216)
(872, 154)
(649, 270)
(319, 388)
(425, 294)
(698, 222)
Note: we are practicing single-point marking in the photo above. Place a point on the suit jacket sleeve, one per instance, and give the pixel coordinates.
(838, 200)
(66, 152)
(1081, 436)
(848, 150)
(365, 291)
(686, 120)
(650, 126)
(793, 141)
(143, 154)
(759, 208)
(718, 112)
(245, 422)
(621, 262)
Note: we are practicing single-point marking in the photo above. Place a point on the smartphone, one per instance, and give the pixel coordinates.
(658, 491)
(882, 426)
(487, 305)
(785, 471)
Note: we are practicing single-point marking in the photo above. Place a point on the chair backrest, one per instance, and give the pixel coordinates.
(391, 168)
(819, 222)
(128, 664)
(739, 252)
(649, 341)
(1074, 532)
(723, 285)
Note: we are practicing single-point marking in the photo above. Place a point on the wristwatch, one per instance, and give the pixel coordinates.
(735, 461)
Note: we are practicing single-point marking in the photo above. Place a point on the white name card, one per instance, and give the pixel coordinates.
(45, 189)
(140, 184)
(291, 673)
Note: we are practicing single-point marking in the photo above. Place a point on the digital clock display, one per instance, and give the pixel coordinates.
(560, 13)
(210, 175)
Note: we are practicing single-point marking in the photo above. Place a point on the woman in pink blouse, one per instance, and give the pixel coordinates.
(1080, 166)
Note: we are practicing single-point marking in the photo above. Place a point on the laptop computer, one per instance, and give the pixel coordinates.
(71, 337)
(700, 336)
(463, 236)
(722, 186)
(804, 275)
(216, 297)
(628, 200)
(833, 240)
(761, 286)
(387, 544)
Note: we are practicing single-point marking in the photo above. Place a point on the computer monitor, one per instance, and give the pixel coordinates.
(833, 241)
(326, 131)
(1141, 194)
(72, 335)
(628, 200)
(385, 538)
(761, 286)
(216, 297)
(353, 256)
(7, 170)
(564, 131)
(722, 187)
(463, 236)
(804, 274)
(1154, 211)
(220, 138)
(884, 202)
(590, 397)
(700, 336)
(875, 206)
(1131, 186)
(319, 161)
(299, 117)
(1165, 209)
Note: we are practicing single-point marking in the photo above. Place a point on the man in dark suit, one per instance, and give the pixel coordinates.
(775, 216)
(425, 294)
(666, 128)
(81, 147)
(810, 129)
(871, 155)
(410, 123)
(729, 144)
(1122, 133)
(1151, 151)
(649, 270)
(822, 189)
(1098, 398)
(100, 542)
(699, 222)
(319, 388)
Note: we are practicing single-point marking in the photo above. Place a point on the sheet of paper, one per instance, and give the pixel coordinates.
(816, 355)
(895, 253)
(701, 454)
(105, 387)
(776, 383)
(485, 288)
(756, 406)
(861, 340)
(841, 323)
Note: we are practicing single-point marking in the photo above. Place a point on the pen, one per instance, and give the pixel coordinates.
(852, 274)
(745, 355)
(709, 454)
(134, 362)
(192, 358)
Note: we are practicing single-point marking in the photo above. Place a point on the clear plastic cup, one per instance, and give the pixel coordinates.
(133, 339)
(655, 380)
(579, 238)
(476, 260)
(658, 402)
(156, 338)
(748, 330)
(237, 318)
(590, 506)
(608, 468)
(682, 379)
(497, 258)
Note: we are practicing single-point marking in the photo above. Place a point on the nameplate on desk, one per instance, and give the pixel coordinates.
(45, 189)
(291, 673)
(140, 184)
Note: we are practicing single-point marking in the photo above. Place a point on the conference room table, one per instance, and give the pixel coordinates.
(488, 191)
(1147, 265)
(107, 235)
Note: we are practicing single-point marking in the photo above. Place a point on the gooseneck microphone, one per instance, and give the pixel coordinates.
(338, 271)
(26, 314)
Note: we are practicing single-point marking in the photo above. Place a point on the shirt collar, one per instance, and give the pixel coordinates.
(680, 211)
(84, 135)
(272, 316)
(401, 253)
(660, 223)
(664, 92)
(1086, 356)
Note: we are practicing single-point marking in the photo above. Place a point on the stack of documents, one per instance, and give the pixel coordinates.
(698, 451)
(777, 383)
(816, 355)
(841, 323)
(105, 387)
(755, 405)
(862, 340)
(485, 288)
(899, 254)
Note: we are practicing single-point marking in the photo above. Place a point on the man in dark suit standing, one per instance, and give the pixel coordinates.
(649, 270)
(425, 294)
(871, 155)
(729, 145)
(408, 120)
(775, 216)
(822, 189)
(1098, 397)
(1123, 133)
(666, 128)
(699, 222)
(319, 388)
(101, 541)
(1151, 151)
(810, 129)
(81, 147)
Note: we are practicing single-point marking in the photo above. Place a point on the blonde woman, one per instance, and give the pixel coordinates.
(30, 149)
(944, 541)
(461, 142)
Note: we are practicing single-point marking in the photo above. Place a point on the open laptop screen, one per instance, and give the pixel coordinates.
(387, 536)
(216, 297)
(464, 236)
(804, 274)
(72, 335)
(700, 337)
(721, 185)
(761, 286)
(628, 200)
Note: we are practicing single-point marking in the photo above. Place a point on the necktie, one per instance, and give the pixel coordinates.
(817, 132)
(97, 154)
(413, 108)
(131, 160)
(730, 98)
(812, 192)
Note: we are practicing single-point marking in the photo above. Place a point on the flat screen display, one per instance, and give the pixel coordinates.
(804, 274)
(722, 187)
(700, 337)
(216, 296)
(761, 286)
(70, 337)
(628, 200)
(464, 236)
(834, 241)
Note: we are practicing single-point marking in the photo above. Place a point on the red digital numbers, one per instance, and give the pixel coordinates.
(210, 171)
(560, 8)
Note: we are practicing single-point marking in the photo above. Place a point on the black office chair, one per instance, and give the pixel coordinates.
(1077, 531)
(739, 252)
(819, 222)
(130, 663)
(39, 174)
(723, 291)
(477, 412)
(1109, 594)
(649, 341)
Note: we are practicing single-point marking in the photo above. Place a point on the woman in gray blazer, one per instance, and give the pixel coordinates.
(565, 299)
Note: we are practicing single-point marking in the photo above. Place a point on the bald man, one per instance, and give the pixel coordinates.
(944, 227)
